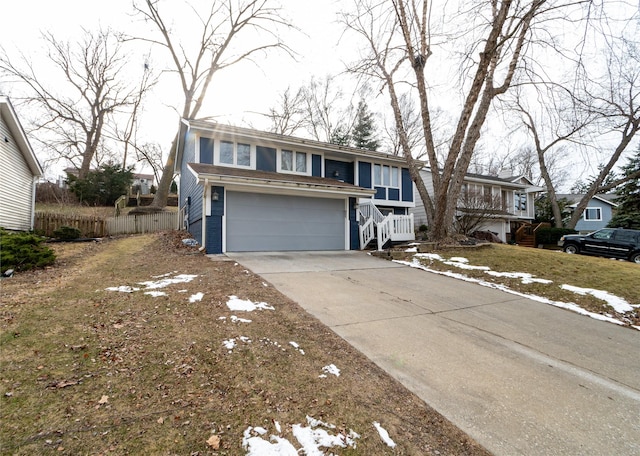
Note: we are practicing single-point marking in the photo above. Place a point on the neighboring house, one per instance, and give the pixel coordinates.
(142, 182)
(507, 202)
(596, 215)
(248, 190)
(19, 172)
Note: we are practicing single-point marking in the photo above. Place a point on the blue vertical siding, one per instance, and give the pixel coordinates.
(407, 185)
(265, 159)
(206, 150)
(364, 174)
(354, 233)
(316, 165)
(214, 222)
(190, 191)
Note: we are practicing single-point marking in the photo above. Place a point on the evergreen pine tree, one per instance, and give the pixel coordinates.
(628, 210)
(363, 133)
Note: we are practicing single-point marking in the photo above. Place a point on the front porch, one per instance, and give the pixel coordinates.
(373, 224)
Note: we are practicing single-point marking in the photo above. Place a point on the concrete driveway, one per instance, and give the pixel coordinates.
(518, 376)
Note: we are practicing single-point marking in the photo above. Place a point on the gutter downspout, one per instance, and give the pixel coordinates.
(203, 247)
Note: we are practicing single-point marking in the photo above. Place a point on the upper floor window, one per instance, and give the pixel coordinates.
(293, 161)
(235, 154)
(386, 176)
(520, 201)
(593, 214)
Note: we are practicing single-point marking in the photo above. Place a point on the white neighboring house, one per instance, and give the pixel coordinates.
(19, 172)
(512, 199)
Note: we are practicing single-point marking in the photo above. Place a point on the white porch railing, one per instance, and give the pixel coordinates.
(374, 224)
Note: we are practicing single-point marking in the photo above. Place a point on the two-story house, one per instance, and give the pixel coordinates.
(249, 190)
(506, 202)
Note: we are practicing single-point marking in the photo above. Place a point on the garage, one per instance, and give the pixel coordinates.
(269, 222)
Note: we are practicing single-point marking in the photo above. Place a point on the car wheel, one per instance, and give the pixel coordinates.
(635, 258)
(571, 248)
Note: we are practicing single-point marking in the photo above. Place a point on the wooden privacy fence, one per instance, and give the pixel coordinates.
(46, 223)
(144, 223)
(90, 226)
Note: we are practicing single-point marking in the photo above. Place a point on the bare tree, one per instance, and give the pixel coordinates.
(476, 208)
(84, 98)
(399, 39)
(288, 117)
(597, 112)
(220, 29)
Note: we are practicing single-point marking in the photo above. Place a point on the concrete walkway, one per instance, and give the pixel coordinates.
(518, 376)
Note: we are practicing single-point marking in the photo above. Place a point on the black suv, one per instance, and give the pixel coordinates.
(607, 242)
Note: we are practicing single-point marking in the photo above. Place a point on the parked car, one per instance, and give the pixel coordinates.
(607, 242)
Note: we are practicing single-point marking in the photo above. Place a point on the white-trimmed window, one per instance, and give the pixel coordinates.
(593, 214)
(235, 154)
(294, 162)
(386, 176)
(520, 200)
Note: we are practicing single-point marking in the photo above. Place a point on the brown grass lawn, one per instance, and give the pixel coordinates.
(89, 371)
(620, 278)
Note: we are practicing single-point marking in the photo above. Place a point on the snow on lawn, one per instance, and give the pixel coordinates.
(297, 347)
(524, 277)
(245, 305)
(166, 281)
(311, 439)
(330, 369)
(196, 297)
(230, 344)
(565, 305)
(384, 435)
(123, 289)
(155, 294)
(619, 304)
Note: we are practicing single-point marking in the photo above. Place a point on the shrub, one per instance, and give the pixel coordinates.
(67, 233)
(23, 251)
(551, 235)
(423, 227)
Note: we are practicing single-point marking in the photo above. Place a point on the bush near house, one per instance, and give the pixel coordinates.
(23, 251)
(67, 233)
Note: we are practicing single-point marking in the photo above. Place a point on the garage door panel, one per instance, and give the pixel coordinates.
(275, 222)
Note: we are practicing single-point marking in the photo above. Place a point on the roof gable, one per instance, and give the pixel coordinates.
(10, 118)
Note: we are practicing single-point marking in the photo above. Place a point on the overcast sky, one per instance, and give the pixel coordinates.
(239, 92)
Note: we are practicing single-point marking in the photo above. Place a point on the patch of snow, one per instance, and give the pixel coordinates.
(257, 446)
(466, 266)
(311, 438)
(412, 250)
(525, 277)
(429, 256)
(230, 344)
(297, 347)
(331, 369)
(196, 297)
(384, 435)
(155, 294)
(265, 284)
(569, 306)
(459, 259)
(311, 421)
(620, 305)
(123, 289)
(235, 319)
(245, 305)
(180, 278)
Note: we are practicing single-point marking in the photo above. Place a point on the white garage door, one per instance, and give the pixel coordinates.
(262, 222)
